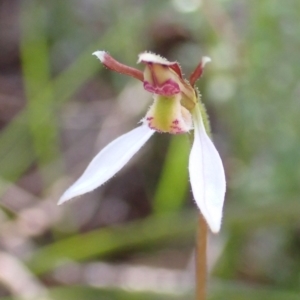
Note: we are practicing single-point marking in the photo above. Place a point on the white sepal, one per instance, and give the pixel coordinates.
(108, 162)
(206, 174)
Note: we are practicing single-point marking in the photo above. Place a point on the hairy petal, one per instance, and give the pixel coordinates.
(197, 73)
(116, 66)
(206, 174)
(108, 162)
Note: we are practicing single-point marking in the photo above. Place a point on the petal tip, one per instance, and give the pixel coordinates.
(148, 57)
(100, 55)
(215, 227)
(60, 201)
(205, 60)
(64, 198)
(71, 193)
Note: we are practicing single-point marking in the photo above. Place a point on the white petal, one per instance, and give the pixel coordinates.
(207, 175)
(108, 162)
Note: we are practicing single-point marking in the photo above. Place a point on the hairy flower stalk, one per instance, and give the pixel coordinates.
(176, 109)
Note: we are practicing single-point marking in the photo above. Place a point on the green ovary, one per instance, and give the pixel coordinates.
(167, 115)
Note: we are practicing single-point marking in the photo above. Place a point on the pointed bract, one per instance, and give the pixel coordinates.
(108, 162)
(206, 174)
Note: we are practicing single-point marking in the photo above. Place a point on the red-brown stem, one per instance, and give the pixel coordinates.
(201, 264)
(114, 65)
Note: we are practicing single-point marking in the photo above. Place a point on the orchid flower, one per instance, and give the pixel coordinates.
(176, 109)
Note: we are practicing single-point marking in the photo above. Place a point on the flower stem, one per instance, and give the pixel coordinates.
(201, 269)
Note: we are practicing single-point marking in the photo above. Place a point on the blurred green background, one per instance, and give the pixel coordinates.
(133, 238)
